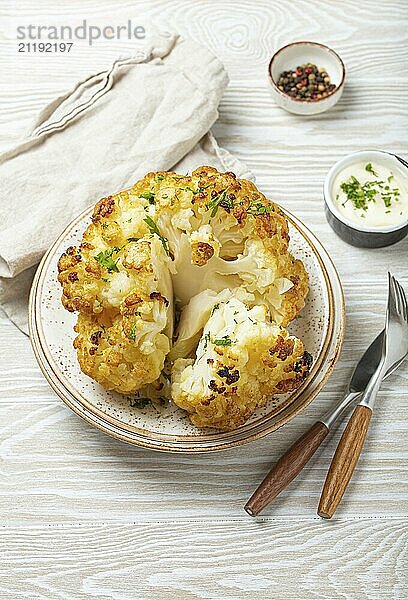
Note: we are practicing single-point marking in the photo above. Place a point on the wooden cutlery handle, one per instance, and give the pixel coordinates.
(287, 468)
(344, 460)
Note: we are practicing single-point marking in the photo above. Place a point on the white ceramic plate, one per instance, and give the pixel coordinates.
(320, 325)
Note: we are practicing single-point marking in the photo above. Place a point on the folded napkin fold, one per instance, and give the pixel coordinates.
(150, 112)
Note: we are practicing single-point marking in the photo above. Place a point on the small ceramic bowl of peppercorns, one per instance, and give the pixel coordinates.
(306, 78)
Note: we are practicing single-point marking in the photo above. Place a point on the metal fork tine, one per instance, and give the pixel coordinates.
(392, 295)
(398, 298)
(390, 291)
(404, 296)
(403, 301)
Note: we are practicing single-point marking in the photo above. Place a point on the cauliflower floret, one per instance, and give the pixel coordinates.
(242, 359)
(94, 282)
(123, 354)
(203, 245)
(128, 291)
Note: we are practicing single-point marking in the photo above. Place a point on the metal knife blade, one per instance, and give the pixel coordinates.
(367, 365)
(362, 374)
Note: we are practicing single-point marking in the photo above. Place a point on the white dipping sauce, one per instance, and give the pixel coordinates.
(386, 208)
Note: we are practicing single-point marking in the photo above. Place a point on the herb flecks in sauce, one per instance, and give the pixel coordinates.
(369, 169)
(360, 194)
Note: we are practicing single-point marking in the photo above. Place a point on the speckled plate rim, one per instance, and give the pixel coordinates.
(200, 443)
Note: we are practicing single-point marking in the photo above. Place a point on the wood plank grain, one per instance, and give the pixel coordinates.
(234, 559)
(58, 469)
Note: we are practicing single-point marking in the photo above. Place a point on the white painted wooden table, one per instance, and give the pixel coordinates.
(84, 516)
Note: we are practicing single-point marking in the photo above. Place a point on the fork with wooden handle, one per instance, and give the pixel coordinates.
(395, 347)
(299, 454)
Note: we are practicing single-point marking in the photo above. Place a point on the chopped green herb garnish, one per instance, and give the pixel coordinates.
(199, 190)
(369, 169)
(206, 340)
(105, 225)
(132, 332)
(105, 279)
(257, 208)
(133, 239)
(390, 177)
(155, 230)
(214, 308)
(220, 200)
(105, 259)
(160, 177)
(148, 196)
(214, 203)
(360, 194)
(214, 210)
(224, 341)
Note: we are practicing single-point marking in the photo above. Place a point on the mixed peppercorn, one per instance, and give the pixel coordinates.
(307, 82)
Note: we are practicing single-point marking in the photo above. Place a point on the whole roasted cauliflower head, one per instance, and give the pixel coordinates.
(187, 250)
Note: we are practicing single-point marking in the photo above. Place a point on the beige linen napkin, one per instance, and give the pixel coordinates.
(150, 112)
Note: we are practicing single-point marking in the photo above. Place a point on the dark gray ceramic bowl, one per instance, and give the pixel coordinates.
(350, 232)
